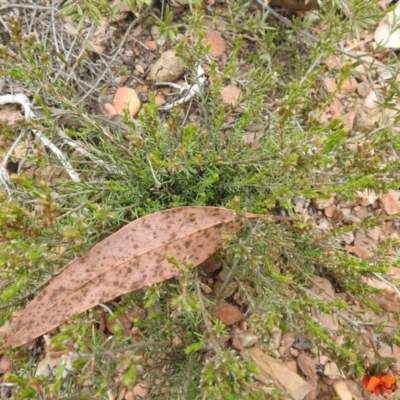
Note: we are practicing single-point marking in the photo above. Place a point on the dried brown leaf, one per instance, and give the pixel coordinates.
(228, 313)
(216, 41)
(330, 84)
(336, 107)
(349, 85)
(19, 151)
(361, 252)
(130, 259)
(389, 204)
(231, 95)
(348, 119)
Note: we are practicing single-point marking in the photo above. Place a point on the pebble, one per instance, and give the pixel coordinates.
(242, 339)
(168, 68)
(332, 371)
(228, 313)
(321, 204)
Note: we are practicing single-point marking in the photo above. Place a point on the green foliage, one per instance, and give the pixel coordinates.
(177, 159)
(130, 376)
(137, 5)
(168, 30)
(226, 376)
(96, 10)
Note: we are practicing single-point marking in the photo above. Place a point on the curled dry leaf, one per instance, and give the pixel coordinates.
(130, 259)
(324, 289)
(336, 107)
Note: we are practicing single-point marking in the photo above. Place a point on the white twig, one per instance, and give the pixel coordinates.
(108, 309)
(8, 385)
(29, 7)
(156, 181)
(87, 154)
(173, 85)
(23, 100)
(57, 152)
(192, 90)
(381, 278)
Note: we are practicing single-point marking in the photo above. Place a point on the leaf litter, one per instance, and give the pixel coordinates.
(130, 259)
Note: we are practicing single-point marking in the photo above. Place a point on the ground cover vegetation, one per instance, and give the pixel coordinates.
(283, 143)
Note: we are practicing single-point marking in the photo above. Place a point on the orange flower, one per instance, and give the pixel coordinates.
(380, 385)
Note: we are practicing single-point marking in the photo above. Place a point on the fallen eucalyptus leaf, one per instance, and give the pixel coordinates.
(130, 259)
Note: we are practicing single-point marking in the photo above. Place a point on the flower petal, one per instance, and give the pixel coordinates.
(365, 380)
(388, 381)
(374, 381)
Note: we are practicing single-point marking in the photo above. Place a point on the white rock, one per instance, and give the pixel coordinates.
(275, 338)
(371, 101)
(50, 365)
(366, 197)
(168, 68)
(387, 33)
(332, 371)
(321, 204)
(242, 339)
(348, 237)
